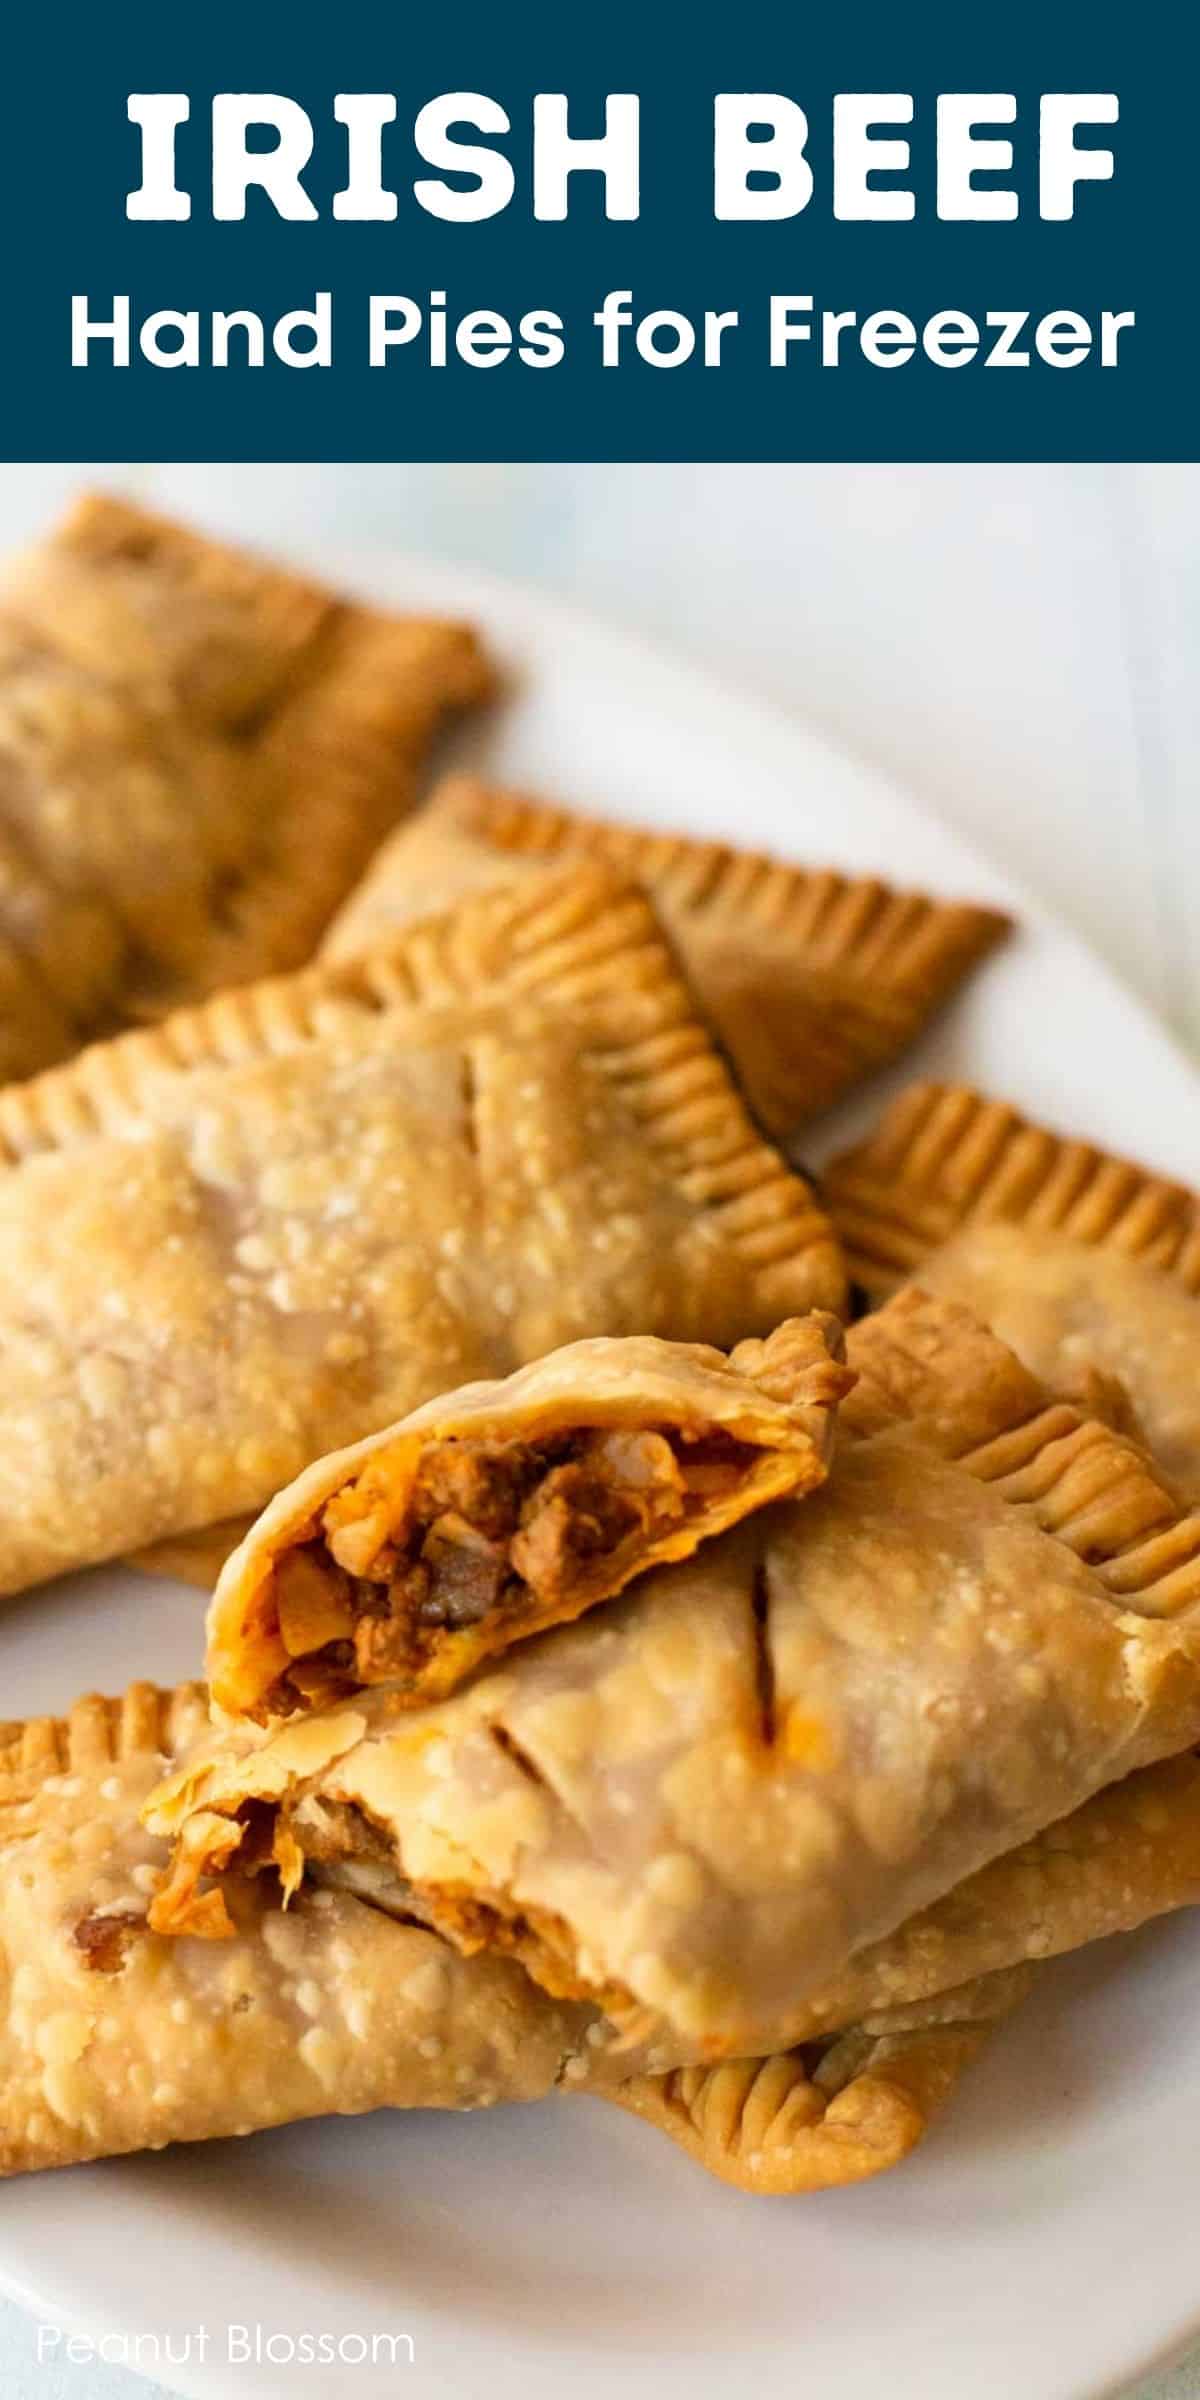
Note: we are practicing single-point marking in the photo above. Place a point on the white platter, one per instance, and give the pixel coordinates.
(1043, 2243)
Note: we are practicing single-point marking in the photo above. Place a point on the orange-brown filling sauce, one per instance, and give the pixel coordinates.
(504, 1536)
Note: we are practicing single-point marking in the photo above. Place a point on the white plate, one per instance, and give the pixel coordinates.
(1043, 2242)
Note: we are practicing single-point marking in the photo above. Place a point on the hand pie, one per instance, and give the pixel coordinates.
(117, 2039)
(496, 1511)
(199, 753)
(278, 1221)
(1087, 1265)
(812, 979)
(697, 1805)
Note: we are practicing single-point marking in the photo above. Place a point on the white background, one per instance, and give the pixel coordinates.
(1017, 645)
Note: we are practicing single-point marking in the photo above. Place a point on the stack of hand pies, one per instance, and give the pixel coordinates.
(676, 1637)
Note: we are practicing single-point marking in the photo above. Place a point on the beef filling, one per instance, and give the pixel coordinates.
(105, 1939)
(496, 1532)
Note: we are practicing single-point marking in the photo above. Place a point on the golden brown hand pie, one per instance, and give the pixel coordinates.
(704, 1800)
(882, 2050)
(493, 1512)
(198, 753)
(812, 979)
(1088, 1265)
(116, 2039)
(274, 1223)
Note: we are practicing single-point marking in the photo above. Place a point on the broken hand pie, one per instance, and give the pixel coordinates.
(199, 753)
(1087, 1265)
(118, 2039)
(496, 1511)
(281, 1220)
(811, 979)
(697, 1805)
(121, 2039)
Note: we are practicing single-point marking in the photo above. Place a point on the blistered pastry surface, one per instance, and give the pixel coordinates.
(812, 978)
(1087, 1264)
(775, 1398)
(199, 751)
(712, 1795)
(331, 2007)
(281, 1220)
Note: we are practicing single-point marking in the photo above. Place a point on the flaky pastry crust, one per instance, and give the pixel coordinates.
(1130, 1854)
(493, 1512)
(805, 2120)
(812, 979)
(704, 1801)
(1088, 1265)
(280, 1220)
(200, 751)
(116, 2039)
(113, 2039)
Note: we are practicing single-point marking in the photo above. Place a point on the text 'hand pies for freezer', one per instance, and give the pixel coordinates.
(498, 1510)
(199, 752)
(812, 979)
(116, 2038)
(1088, 1265)
(703, 1800)
(277, 1222)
